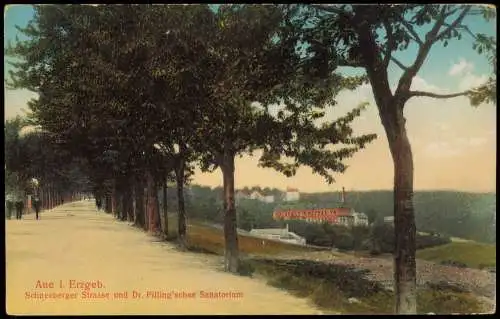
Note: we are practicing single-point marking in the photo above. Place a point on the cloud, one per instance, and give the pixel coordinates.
(441, 149)
(470, 81)
(465, 71)
(16, 101)
(453, 147)
(444, 127)
(472, 141)
(419, 84)
(461, 67)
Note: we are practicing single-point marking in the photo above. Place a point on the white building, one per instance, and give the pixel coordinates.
(281, 234)
(360, 219)
(268, 199)
(292, 195)
(389, 219)
(258, 196)
(239, 195)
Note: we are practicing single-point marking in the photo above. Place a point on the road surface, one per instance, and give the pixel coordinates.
(77, 261)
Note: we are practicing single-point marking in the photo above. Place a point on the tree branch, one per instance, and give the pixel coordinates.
(407, 77)
(436, 95)
(401, 65)
(412, 31)
(331, 9)
(351, 64)
(465, 28)
(454, 24)
(390, 43)
(452, 12)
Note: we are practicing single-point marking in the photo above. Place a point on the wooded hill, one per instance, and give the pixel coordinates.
(459, 214)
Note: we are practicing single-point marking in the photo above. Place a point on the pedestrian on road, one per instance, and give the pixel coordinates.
(18, 197)
(98, 203)
(37, 203)
(9, 201)
(19, 208)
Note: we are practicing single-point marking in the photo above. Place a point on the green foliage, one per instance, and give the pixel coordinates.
(382, 237)
(34, 154)
(331, 286)
(469, 254)
(110, 91)
(459, 214)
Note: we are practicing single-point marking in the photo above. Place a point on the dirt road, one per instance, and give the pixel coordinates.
(49, 262)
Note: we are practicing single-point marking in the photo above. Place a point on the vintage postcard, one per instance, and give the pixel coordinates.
(241, 159)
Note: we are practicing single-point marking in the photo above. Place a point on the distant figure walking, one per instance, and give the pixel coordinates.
(9, 200)
(19, 208)
(98, 203)
(37, 204)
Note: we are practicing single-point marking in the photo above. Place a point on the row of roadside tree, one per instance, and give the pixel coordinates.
(146, 93)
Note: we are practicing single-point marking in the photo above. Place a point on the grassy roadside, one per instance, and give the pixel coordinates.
(208, 239)
(335, 288)
(332, 288)
(472, 254)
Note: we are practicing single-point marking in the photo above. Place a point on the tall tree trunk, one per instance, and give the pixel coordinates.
(231, 255)
(156, 198)
(152, 203)
(41, 195)
(107, 203)
(121, 205)
(49, 197)
(165, 208)
(114, 210)
(120, 198)
(404, 217)
(45, 202)
(139, 203)
(179, 174)
(147, 223)
(129, 201)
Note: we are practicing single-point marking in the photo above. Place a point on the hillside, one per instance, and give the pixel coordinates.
(458, 214)
(471, 254)
(332, 280)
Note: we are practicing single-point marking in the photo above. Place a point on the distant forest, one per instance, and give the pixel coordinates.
(458, 214)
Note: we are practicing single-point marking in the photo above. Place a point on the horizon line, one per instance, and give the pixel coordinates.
(359, 190)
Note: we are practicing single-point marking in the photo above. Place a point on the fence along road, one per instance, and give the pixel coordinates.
(73, 244)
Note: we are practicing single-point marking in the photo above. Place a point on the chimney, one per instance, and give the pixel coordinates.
(343, 195)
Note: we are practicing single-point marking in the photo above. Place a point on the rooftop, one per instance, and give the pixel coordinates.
(269, 231)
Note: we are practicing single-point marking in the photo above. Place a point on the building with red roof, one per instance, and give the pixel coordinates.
(340, 216)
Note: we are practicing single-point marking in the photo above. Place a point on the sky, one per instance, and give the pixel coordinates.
(454, 144)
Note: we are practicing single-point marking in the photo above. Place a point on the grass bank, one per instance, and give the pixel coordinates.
(341, 289)
(332, 288)
(472, 254)
(208, 239)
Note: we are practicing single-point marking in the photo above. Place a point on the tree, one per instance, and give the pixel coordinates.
(366, 36)
(176, 69)
(32, 153)
(107, 80)
(372, 215)
(237, 69)
(12, 147)
(246, 219)
(252, 60)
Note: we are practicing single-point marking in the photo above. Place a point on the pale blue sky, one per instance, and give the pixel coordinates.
(448, 136)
